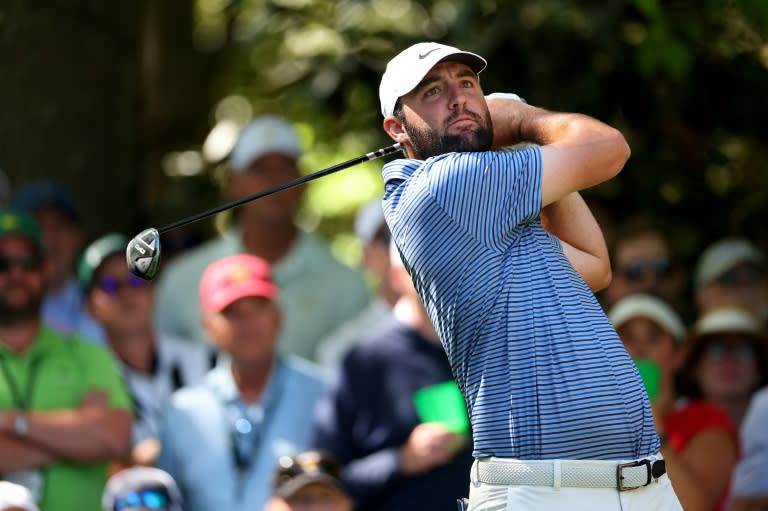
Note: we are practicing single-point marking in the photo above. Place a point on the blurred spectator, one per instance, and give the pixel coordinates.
(55, 209)
(309, 480)
(732, 272)
(221, 439)
(651, 330)
(154, 365)
(14, 497)
(373, 233)
(699, 440)
(64, 410)
(726, 360)
(643, 262)
(369, 421)
(141, 489)
(265, 156)
(750, 479)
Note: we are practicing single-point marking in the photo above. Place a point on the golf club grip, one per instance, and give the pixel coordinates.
(384, 151)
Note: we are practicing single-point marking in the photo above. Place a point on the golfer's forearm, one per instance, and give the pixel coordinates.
(515, 121)
(583, 243)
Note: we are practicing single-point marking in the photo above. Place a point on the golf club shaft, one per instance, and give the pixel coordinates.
(384, 151)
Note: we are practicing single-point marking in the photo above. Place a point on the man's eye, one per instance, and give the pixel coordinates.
(432, 91)
(467, 84)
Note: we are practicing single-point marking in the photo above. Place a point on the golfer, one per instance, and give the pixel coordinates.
(505, 256)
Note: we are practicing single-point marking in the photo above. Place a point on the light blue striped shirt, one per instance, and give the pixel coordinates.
(544, 374)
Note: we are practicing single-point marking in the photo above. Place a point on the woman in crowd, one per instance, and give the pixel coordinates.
(699, 439)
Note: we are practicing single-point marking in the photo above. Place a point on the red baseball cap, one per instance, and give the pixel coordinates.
(234, 277)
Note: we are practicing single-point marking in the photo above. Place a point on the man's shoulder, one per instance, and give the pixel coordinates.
(300, 371)
(388, 341)
(174, 348)
(72, 345)
(194, 399)
(313, 254)
(194, 358)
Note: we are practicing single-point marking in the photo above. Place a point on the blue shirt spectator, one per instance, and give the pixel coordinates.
(221, 439)
(202, 420)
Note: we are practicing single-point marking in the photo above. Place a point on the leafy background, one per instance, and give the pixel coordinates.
(134, 104)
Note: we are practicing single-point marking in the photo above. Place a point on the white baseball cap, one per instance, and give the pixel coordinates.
(725, 320)
(642, 305)
(408, 68)
(723, 255)
(15, 495)
(264, 135)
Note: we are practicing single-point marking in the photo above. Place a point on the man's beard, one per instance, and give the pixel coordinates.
(428, 142)
(12, 315)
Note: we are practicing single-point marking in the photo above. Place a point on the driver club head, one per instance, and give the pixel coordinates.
(143, 254)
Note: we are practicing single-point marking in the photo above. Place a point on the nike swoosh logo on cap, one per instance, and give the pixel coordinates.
(422, 56)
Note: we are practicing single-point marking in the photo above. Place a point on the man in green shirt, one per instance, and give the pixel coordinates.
(64, 410)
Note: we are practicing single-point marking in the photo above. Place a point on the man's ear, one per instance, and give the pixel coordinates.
(395, 130)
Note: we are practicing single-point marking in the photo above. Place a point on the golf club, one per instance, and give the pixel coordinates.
(143, 251)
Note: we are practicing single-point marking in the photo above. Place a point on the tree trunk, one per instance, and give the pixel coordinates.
(69, 79)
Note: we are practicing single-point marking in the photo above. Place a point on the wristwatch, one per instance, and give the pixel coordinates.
(21, 424)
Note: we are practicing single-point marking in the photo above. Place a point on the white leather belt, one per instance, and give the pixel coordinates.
(570, 473)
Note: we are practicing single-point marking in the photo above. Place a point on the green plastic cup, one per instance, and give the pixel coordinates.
(650, 372)
(443, 403)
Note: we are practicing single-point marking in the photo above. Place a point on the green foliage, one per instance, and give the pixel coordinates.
(685, 81)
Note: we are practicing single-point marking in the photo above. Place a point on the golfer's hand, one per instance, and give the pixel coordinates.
(430, 445)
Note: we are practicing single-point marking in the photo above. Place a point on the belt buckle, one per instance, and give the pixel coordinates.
(620, 478)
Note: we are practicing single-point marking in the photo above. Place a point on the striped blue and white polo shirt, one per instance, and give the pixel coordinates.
(543, 372)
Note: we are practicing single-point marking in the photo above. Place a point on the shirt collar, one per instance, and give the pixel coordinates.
(220, 379)
(45, 341)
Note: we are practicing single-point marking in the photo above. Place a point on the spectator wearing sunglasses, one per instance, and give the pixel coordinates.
(722, 366)
(732, 272)
(141, 489)
(54, 207)
(726, 360)
(222, 438)
(308, 481)
(154, 365)
(642, 260)
(64, 409)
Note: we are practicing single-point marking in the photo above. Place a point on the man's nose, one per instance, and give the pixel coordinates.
(458, 96)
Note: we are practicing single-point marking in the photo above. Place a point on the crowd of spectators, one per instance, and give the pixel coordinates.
(259, 372)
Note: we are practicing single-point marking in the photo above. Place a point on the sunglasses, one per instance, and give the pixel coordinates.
(150, 498)
(741, 275)
(26, 262)
(719, 351)
(636, 270)
(112, 285)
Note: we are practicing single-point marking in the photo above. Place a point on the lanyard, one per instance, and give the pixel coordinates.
(21, 402)
(247, 443)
